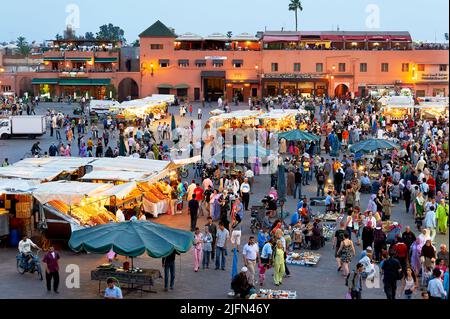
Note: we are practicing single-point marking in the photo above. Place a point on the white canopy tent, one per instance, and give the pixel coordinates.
(119, 191)
(280, 113)
(17, 186)
(70, 193)
(113, 176)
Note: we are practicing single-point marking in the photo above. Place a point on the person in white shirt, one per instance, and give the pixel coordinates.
(190, 189)
(435, 286)
(430, 222)
(245, 193)
(25, 246)
(251, 255)
(250, 176)
(120, 216)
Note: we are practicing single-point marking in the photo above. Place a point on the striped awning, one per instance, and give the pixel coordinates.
(182, 86)
(105, 60)
(53, 58)
(86, 82)
(165, 86)
(37, 81)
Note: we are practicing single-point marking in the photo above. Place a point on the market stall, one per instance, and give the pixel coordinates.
(16, 206)
(433, 108)
(398, 108)
(281, 120)
(78, 204)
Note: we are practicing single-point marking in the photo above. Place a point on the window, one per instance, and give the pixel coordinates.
(217, 63)
(237, 65)
(164, 64)
(297, 67)
(420, 67)
(200, 64)
(384, 67)
(156, 46)
(319, 67)
(442, 67)
(274, 67)
(420, 93)
(183, 63)
(6, 88)
(405, 67)
(363, 67)
(341, 67)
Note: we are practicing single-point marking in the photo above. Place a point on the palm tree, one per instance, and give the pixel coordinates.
(24, 47)
(296, 5)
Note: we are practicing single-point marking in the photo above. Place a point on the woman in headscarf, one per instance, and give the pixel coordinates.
(415, 252)
(290, 183)
(419, 210)
(278, 260)
(372, 206)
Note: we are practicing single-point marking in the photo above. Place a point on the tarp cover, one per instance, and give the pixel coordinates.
(17, 186)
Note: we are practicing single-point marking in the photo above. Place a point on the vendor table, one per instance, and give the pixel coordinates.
(155, 208)
(134, 280)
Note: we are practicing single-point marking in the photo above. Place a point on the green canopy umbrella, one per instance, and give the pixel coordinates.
(239, 153)
(132, 239)
(298, 135)
(371, 145)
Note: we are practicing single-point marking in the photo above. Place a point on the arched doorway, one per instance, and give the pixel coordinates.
(25, 85)
(128, 87)
(341, 90)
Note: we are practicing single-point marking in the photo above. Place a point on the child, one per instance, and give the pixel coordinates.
(262, 272)
(427, 276)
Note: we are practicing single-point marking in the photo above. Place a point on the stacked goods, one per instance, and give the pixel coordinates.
(155, 192)
(87, 215)
(274, 294)
(23, 209)
(306, 258)
(59, 206)
(135, 193)
(91, 216)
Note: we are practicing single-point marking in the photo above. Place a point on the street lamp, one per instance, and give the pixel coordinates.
(152, 69)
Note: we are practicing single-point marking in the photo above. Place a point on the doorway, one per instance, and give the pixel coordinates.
(213, 88)
(341, 91)
(239, 93)
(196, 94)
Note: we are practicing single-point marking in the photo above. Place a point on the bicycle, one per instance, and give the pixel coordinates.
(32, 266)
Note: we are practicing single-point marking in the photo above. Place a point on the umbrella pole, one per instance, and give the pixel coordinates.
(132, 263)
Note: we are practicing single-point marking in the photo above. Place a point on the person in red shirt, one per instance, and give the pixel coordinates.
(431, 185)
(52, 269)
(198, 191)
(401, 251)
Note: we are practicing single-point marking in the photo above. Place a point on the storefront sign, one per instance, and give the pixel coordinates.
(216, 58)
(434, 77)
(302, 76)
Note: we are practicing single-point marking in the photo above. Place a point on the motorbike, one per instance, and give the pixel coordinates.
(33, 266)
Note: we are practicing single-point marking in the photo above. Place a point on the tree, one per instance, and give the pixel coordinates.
(89, 36)
(111, 33)
(229, 34)
(296, 5)
(136, 43)
(69, 33)
(24, 47)
(58, 37)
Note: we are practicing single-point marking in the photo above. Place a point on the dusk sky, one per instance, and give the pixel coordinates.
(43, 19)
